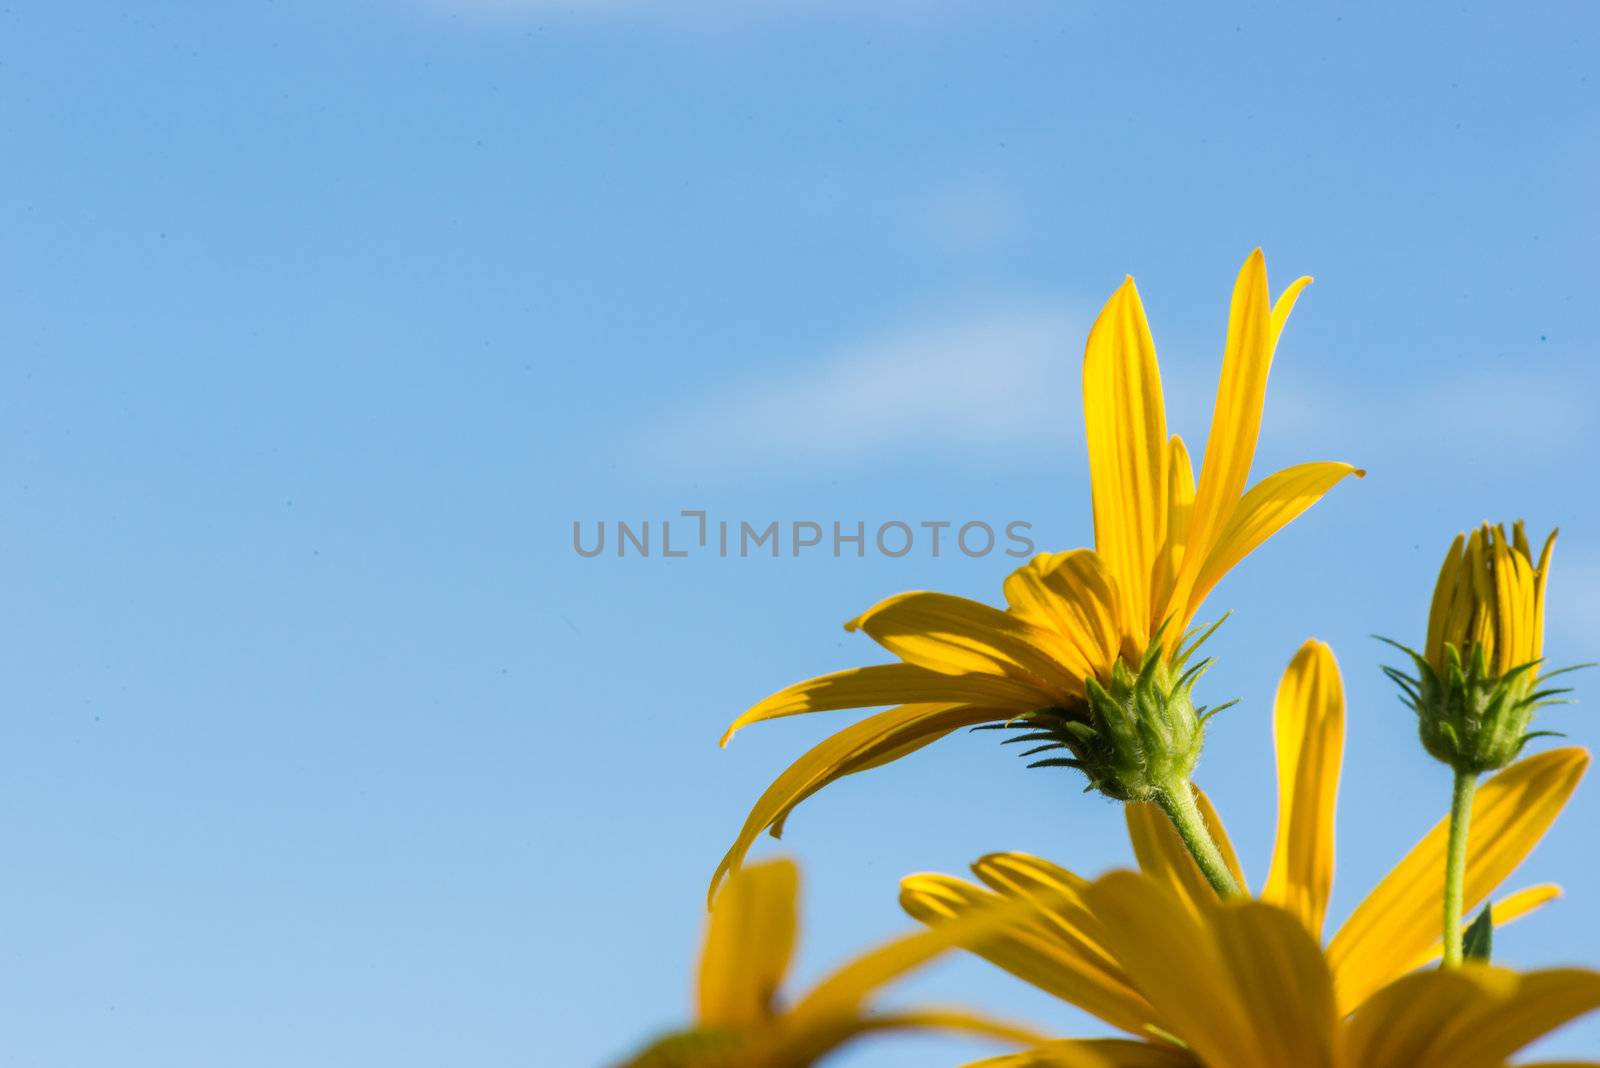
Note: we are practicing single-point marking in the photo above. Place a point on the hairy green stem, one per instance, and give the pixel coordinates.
(1455, 863)
(1179, 804)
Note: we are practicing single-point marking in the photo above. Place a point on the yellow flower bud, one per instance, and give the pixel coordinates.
(1490, 600)
(1475, 691)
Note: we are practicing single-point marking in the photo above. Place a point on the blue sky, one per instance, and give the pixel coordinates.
(324, 322)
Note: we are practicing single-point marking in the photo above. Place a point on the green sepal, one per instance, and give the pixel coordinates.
(1467, 716)
(1136, 732)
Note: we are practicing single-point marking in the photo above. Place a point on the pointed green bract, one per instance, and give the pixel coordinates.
(1478, 940)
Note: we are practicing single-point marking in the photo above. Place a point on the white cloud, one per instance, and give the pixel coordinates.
(972, 384)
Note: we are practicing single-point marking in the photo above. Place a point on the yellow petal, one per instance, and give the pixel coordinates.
(1074, 595)
(1270, 506)
(1277, 970)
(1163, 856)
(1180, 503)
(1094, 1053)
(1539, 588)
(1285, 304)
(872, 742)
(1507, 909)
(1398, 1026)
(1215, 979)
(1514, 601)
(1308, 725)
(1036, 952)
(1126, 424)
(749, 941)
(1400, 918)
(1235, 425)
(1503, 1014)
(1444, 603)
(955, 636)
(1068, 920)
(891, 684)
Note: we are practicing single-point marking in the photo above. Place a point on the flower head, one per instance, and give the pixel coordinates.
(740, 1020)
(1092, 652)
(1476, 684)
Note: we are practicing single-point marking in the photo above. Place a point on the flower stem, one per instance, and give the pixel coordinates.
(1179, 804)
(1455, 863)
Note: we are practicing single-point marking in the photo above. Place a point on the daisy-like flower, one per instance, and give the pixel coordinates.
(1477, 682)
(739, 1022)
(1243, 985)
(1091, 651)
(1072, 952)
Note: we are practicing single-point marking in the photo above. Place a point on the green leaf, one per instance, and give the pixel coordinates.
(1479, 938)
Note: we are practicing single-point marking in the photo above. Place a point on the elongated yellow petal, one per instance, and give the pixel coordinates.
(1285, 304)
(891, 684)
(1049, 953)
(1068, 919)
(1270, 506)
(1163, 856)
(1444, 602)
(1308, 725)
(1539, 589)
(1172, 958)
(1094, 1053)
(1126, 424)
(870, 743)
(1511, 1011)
(1278, 971)
(955, 636)
(1400, 918)
(1507, 909)
(749, 942)
(1180, 503)
(1235, 425)
(1398, 1026)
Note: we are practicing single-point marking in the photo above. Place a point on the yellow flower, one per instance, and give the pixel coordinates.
(1394, 931)
(1089, 649)
(1243, 985)
(749, 942)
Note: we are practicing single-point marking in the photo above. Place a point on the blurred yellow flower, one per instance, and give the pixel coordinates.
(1092, 650)
(739, 1021)
(1243, 985)
(1395, 930)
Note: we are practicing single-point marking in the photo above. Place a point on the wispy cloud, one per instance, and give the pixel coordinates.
(974, 384)
(967, 385)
